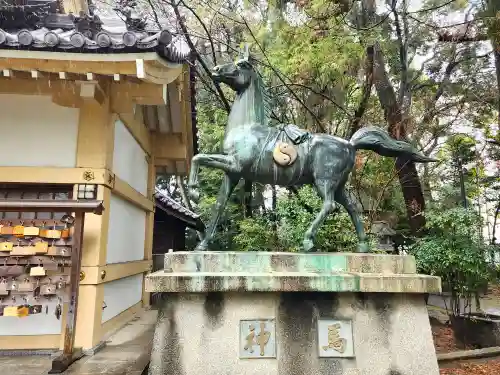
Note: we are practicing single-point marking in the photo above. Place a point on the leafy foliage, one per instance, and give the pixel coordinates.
(336, 234)
(313, 57)
(453, 250)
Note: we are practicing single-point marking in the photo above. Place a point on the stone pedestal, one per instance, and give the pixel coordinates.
(292, 314)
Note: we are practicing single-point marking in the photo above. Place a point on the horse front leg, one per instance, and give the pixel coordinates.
(225, 191)
(218, 161)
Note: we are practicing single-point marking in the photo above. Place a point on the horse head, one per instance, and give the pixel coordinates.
(238, 75)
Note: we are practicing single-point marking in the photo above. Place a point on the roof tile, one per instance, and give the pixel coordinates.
(35, 26)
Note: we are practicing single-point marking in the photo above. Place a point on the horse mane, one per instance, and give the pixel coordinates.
(266, 97)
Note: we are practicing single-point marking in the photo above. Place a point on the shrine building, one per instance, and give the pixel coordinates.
(92, 108)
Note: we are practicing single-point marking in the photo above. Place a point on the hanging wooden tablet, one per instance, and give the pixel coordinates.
(6, 230)
(48, 290)
(10, 311)
(6, 246)
(15, 270)
(41, 247)
(50, 233)
(68, 221)
(23, 250)
(4, 291)
(18, 230)
(23, 311)
(37, 271)
(26, 285)
(31, 231)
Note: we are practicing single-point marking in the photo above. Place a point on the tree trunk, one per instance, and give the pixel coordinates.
(248, 198)
(405, 168)
(274, 223)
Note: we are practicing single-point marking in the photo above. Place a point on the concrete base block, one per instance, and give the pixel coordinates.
(200, 334)
(210, 326)
(94, 350)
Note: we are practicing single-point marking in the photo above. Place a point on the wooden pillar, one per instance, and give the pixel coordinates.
(188, 135)
(150, 220)
(94, 150)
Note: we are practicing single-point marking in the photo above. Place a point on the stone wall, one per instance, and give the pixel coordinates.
(199, 334)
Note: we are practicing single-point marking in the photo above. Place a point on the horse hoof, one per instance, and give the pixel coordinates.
(363, 247)
(201, 247)
(194, 195)
(308, 246)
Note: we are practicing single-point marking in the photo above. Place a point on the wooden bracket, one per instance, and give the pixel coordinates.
(124, 95)
(92, 91)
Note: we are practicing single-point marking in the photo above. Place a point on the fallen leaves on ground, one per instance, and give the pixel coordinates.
(493, 292)
(444, 341)
(491, 367)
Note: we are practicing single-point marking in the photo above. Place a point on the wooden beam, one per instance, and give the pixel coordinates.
(44, 175)
(151, 72)
(137, 93)
(151, 69)
(66, 93)
(79, 67)
(33, 87)
(168, 146)
(30, 342)
(124, 190)
(103, 274)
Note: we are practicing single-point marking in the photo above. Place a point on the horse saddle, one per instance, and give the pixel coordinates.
(285, 153)
(296, 134)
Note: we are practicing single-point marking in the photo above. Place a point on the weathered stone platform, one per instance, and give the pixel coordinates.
(292, 314)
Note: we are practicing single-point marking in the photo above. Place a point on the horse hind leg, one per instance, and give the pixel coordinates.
(326, 189)
(342, 198)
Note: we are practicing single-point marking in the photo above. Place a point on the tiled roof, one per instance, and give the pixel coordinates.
(172, 203)
(37, 26)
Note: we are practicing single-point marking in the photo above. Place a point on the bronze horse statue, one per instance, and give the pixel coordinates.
(251, 146)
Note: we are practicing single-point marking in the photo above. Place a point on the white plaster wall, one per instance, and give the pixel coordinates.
(38, 324)
(126, 233)
(121, 294)
(129, 159)
(37, 132)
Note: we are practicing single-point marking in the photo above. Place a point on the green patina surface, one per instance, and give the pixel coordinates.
(291, 282)
(323, 263)
(195, 272)
(288, 262)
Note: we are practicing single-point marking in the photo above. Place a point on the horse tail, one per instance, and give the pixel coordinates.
(378, 140)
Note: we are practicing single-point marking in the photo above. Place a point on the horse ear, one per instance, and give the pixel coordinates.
(241, 53)
(246, 52)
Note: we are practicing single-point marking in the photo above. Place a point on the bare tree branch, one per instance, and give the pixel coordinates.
(198, 57)
(365, 96)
